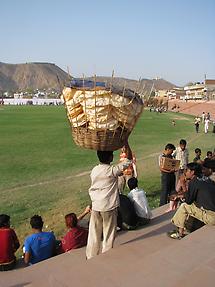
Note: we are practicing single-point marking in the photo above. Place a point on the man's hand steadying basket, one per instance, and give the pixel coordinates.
(128, 150)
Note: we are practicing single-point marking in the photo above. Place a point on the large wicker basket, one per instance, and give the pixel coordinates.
(100, 140)
(105, 138)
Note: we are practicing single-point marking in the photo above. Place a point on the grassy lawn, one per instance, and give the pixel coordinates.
(43, 172)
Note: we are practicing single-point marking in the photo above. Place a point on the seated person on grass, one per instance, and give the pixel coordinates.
(9, 243)
(178, 195)
(209, 156)
(139, 200)
(40, 245)
(192, 171)
(126, 218)
(76, 235)
(197, 158)
(211, 166)
(199, 203)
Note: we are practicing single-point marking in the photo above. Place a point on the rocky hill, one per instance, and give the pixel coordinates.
(31, 75)
(14, 77)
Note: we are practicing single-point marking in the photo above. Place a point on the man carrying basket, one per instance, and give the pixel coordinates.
(104, 195)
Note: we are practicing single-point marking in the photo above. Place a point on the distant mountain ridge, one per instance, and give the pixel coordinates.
(17, 77)
(142, 86)
(31, 75)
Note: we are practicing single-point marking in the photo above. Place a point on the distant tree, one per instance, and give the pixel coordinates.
(189, 84)
(160, 102)
(155, 102)
(166, 104)
(152, 94)
(29, 90)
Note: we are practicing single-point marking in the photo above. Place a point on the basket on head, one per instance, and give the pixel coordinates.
(101, 118)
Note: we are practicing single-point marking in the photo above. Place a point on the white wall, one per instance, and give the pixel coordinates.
(35, 101)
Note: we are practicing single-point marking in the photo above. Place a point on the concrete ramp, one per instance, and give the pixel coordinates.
(144, 257)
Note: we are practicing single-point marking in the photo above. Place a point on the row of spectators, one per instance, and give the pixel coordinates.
(196, 185)
(132, 212)
(40, 245)
(197, 201)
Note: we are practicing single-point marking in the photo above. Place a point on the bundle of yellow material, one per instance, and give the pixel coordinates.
(101, 111)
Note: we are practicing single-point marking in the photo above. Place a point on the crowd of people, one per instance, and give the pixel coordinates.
(40, 245)
(188, 188)
(109, 209)
(205, 119)
(109, 206)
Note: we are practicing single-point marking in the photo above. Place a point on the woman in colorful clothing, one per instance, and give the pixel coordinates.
(76, 236)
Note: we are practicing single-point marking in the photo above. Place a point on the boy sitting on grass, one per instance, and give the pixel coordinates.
(40, 245)
(138, 197)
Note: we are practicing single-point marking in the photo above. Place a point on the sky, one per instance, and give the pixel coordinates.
(174, 40)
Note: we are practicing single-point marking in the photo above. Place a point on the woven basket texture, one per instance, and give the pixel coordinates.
(100, 140)
(105, 139)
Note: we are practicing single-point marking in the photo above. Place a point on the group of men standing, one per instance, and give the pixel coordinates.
(206, 118)
(169, 177)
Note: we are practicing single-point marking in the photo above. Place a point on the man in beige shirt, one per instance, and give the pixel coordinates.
(104, 195)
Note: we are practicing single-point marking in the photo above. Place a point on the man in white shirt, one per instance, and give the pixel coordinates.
(206, 126)
(104, 195)
(138, 197)
(197, 121)
(203, 117)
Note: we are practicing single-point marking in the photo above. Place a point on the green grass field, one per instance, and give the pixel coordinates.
(43, 172)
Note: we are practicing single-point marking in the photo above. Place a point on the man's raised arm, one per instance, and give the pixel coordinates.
(128, 151)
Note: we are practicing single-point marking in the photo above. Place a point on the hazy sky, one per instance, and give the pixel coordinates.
(173, 39)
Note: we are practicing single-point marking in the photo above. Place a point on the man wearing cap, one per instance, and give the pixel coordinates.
(200, 203)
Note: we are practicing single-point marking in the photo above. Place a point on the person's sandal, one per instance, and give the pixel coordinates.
(175, 235)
